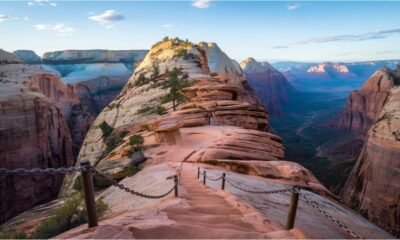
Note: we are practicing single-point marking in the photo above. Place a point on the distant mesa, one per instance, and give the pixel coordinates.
(8, 58)
(28, 56)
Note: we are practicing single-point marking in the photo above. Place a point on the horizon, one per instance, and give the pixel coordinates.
(267, 31)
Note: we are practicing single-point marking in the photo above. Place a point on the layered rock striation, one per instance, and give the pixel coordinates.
(270, 85)
(364, 106)
(219, 104)
(33, 134)
(373, 186)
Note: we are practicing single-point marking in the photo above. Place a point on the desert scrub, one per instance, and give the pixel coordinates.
(68, 216)
(106, 129)
(144, 109)
(141, 80)
(130, 170)
(12, 234)
(136, 141)
(114, 140)
(160, 110)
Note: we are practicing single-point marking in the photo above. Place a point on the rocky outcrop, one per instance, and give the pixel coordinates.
(218, 101)
(270, 85)
(8, 58)
(363, 107)
(28, 56)
(373, 186)
(33, 134)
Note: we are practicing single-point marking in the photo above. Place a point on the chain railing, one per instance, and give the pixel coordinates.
(87, 172)
(295, 193)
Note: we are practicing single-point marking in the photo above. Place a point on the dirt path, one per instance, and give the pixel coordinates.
(209, 215)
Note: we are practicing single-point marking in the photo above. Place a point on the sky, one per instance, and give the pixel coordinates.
(266, 30)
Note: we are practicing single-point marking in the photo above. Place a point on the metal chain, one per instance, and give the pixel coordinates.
(214, 179)
(262, 192)
(41, 170)
(332, 219)
(131, 191)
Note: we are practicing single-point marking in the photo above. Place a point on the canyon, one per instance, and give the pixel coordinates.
(226, 118)
(33, 134)
(269, 84)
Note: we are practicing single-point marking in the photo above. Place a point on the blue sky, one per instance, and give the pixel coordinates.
(265, 30)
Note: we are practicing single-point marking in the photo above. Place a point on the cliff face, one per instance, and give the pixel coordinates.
(363, 107)
(33, 134)
(28, 56)
(218, 103)
(8, 58)
(373, 186)
(270, 85)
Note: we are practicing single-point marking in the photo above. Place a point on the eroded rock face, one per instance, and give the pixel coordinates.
(270, 85)
(363, 107)
(373, 186)
(28, 56)
(8, 58)
(33, 134)
(220, 109)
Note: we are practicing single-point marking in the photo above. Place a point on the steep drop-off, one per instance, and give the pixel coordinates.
(270, 85)
(373, 186)
(33, 134)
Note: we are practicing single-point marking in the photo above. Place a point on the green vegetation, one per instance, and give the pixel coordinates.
(70, 215)
(142, 80)
(180, 52)
(131, 170)
(78, 183)
(106, 129)
(136, 141)
(176, 82)
(144, 109)
(161, 110)
(114, 140)
(12, 234)
(155, 71)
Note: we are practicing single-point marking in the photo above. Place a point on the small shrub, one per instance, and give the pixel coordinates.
(106, 129)
(144, 109)
(13, 235)
(142, 80)
(161, 110)
(130, 170)
(136, 141)
(156, 71)
(68, 216)
(114, 140)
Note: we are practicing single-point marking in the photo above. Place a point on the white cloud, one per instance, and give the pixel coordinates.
(293, 6)
(108, 16)
(167, 25)
(381, 34)
(4, 18)
(26, 18)
(202, 4)
(61, 29)
(42, 3)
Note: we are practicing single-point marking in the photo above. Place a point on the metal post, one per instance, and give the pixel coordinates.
(90, 203)
(294, 198)
(176, 185)
(198, 172)
(204, 177)
(223, 181)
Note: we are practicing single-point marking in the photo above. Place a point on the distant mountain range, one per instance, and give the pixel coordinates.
(336, 76)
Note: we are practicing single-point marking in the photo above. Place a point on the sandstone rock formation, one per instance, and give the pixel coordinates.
(270, 85)
(28, 56)
(94, 56)
(97, 77)
(219, 103)
(8, 58)
(373, 186)
(33, 134)
(363, 107)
